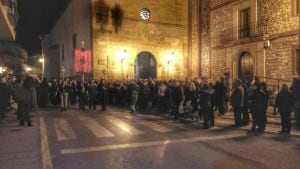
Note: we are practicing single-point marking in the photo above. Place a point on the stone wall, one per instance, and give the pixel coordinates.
(275, 61)
(279, 15)
(279, 60)
(164, 33)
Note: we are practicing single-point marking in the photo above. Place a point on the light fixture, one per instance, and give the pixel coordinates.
(41, 60)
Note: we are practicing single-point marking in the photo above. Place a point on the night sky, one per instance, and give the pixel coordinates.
(36, 18)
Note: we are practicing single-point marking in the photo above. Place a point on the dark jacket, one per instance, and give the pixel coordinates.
(237, 97)
(205, 99)
(260, 100)
(285, 101)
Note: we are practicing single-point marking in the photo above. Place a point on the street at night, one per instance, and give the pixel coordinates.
(148, 84)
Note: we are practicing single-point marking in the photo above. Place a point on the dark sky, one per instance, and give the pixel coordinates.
(36, 18)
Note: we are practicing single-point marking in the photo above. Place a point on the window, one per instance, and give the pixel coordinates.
(297, 62)
(74, 40)
(297, 7)
(244, 28)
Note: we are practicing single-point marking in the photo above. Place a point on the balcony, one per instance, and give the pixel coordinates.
(254, 30)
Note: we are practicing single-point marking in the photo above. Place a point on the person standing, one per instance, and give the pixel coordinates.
(237, 100)
(102, 90)
(92, 93)
(177, 96)
(285, 101)
(205, 104)
(4, 97)
(63, 90)
(24, 96)
(295, 88)
(221, 91)
(134, 97)
(260, 104)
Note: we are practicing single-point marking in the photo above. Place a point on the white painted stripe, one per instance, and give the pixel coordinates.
(47, 161)
(152, 125)
(147, 144)
(95, 127)
(129, 129)
(63, 130)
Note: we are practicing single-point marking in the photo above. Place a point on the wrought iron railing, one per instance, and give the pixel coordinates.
(255, 29)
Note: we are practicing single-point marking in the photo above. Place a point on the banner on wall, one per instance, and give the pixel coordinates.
(83, 61)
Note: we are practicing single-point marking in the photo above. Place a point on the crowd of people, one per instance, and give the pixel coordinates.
(180, 98)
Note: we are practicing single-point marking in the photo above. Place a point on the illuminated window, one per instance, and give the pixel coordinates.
(244, 25)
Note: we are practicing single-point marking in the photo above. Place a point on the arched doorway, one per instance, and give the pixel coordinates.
(145, 66)
(246, 66)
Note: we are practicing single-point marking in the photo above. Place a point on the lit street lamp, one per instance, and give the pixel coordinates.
(28, 69)
(42, 60)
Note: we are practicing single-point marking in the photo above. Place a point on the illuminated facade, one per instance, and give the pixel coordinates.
(155, 29)
(147, 39)
(251, 38)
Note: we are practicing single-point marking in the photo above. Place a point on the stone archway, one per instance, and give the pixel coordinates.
(145, 66)
(245, 66)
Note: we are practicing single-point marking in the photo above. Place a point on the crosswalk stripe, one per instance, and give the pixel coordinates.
(147, 144)
(154, 126)
(124, 126)
(95, 127)
(63, 130)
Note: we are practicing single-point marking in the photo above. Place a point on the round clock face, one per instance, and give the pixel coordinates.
(145, 14)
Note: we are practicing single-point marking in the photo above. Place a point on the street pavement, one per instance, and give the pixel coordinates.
(115, 139)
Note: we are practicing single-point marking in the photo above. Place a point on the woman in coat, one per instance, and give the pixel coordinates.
(285, 101)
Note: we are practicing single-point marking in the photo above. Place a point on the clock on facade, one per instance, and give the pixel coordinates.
(145, 14)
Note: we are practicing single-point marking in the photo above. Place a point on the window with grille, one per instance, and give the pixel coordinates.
(244, 25)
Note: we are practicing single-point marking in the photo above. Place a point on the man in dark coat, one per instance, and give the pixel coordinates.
(295, 88)
(221, 90)
(177, 96)
(205, 104)
(260, 105)
(4, 97)
(237, 102)
(102, 91)
(285, 101)
(92, 92)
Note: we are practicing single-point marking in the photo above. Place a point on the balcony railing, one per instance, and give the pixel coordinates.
(255, 29)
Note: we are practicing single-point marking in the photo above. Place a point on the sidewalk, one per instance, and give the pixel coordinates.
(19, 146)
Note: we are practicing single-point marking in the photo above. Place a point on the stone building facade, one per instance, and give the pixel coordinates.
(164, 34)
(123, 44)
(250, 37)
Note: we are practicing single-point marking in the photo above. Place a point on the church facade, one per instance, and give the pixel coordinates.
(180, 39)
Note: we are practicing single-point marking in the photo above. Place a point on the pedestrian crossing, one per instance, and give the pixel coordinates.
(63, 130)
(130, 126)
(95, 127)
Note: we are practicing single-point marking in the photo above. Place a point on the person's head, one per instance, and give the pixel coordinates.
(238, 82)
(284, 88)
(263, 86)
(222, 80)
